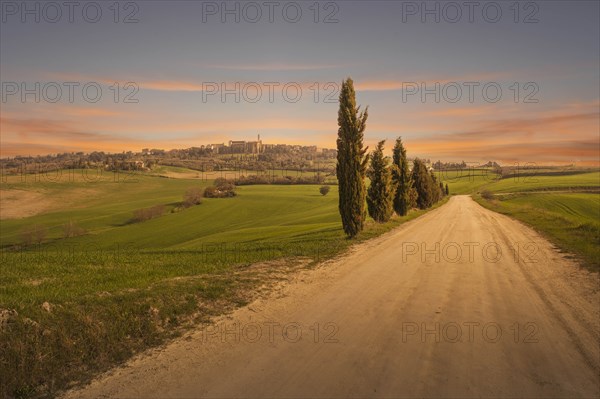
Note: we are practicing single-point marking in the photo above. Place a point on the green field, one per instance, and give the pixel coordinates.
(123, 286)
(576, 182)
(466, 181)
(173, 171)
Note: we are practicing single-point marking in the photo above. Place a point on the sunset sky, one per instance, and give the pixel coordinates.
(179, 53)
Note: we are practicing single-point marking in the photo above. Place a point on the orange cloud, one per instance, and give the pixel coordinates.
(170, 85)
(393, 84)
(553, 139)
(458, 112)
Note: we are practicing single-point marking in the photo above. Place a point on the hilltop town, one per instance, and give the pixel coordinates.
(234, 154)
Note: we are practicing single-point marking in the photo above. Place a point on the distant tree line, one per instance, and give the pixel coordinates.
(270, 179)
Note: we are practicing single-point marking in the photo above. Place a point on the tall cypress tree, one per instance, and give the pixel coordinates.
(402, 179)
(380, 195)
(351, 160)
(423, 184)
(436, 193)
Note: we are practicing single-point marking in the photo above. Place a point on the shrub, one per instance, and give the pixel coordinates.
(193, 196)
(72, 229)
(220, 181)
(487, 194)
(210, 192)
(264, 179)
(226, 187)
(252, 179)
(283, 180)
(324, 190)
(144, 214)
(33, 234)
(223, 191)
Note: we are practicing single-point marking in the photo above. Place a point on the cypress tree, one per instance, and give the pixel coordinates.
(447, 191)
(423, 184)
(380, 195)
(412, 195)
(436, 193)
(351, 160)
(402, 179)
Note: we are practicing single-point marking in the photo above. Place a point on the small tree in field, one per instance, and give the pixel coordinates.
(193, 196)
(33, 235)
(141, 215)
(442, 189)
(447, 190)
(380, 195)
(487, 194)
(324, 190)
(72, 229)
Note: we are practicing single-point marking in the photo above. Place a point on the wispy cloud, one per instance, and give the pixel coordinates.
(370, 84)
(274, 67)
(551, 139)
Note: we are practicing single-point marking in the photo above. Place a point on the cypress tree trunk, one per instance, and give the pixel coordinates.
(351, 161)
(402, 179)
(380, 195)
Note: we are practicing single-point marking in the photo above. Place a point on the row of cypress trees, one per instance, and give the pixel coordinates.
(393, 188)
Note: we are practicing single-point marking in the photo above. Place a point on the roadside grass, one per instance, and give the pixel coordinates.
(571, 221)
(90, 302)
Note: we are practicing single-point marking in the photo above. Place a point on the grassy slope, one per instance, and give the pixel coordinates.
(468, 181)
(188, 265)
(550, 183)
(110, 204)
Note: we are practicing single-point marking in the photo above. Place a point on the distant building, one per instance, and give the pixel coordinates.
(216, 148)
(237, 147)
(254, 147)
(245, 147)
(257, 147)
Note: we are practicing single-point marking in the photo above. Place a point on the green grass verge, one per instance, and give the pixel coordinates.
(571, 221)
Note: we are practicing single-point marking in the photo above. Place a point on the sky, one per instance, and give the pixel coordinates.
(511, 82)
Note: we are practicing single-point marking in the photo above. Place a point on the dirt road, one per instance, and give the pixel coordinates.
(397, 317)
